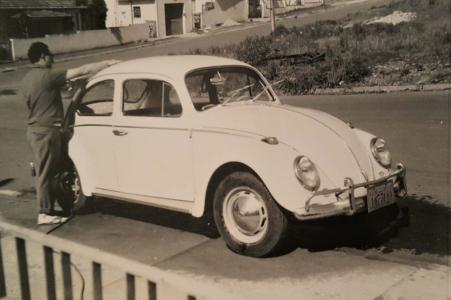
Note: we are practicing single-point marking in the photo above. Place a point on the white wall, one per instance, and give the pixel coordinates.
(111, 14)
(198, 6)
(120, 12)
(237, 10)
(88, 39)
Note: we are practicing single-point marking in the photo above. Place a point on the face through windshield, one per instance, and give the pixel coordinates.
(222, 85)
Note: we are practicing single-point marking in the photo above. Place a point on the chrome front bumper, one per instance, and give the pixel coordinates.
(347, 203)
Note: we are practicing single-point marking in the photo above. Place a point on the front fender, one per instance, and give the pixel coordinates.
(365, 138)
(272, 163)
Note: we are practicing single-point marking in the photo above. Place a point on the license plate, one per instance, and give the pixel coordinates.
(380, 195)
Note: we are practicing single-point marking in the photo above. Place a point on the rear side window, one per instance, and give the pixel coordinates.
(150, 98)
(98, 100)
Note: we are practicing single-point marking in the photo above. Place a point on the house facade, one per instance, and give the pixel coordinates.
(171, 16)
(35, 18)
(175, 16)
(218, 11)
(182, 16)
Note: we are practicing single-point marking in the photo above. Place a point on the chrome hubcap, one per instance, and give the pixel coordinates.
(245, 215)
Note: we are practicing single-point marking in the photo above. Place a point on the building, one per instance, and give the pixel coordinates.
(171, 16)
(36, 18)
(215, 12)
(182, 16)
(175, 16)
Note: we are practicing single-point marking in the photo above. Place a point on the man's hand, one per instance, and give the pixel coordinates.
(89, 70)
(112, 62)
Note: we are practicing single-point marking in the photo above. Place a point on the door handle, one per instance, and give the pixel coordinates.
(119, 132)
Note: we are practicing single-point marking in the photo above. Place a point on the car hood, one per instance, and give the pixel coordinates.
(329, 142)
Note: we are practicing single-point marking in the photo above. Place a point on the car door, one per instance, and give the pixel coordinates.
(152, 144)
(91, 146)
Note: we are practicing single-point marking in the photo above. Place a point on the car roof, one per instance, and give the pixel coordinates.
(171, 65)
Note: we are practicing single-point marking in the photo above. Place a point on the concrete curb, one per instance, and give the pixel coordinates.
(383, 89)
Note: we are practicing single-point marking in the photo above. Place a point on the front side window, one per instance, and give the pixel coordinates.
(98, 100)
(212, 86)
(151, 98)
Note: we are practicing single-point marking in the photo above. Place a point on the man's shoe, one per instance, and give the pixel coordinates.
(44, 219)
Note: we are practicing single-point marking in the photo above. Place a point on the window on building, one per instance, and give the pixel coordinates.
(137, 11)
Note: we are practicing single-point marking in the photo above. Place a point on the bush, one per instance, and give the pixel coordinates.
(280, 31)
(350, 53)
(356, 69)
(254, 51)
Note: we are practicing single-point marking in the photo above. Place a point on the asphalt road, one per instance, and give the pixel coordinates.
(416, 126)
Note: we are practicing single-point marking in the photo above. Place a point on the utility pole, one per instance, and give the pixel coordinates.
(272, 15)
(131, 11)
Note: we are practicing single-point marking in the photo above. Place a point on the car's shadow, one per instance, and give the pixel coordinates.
(158, 216)
(362, 231)
(423, 228)
(428, 229)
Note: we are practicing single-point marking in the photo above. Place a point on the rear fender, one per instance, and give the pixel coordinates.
(83, 166)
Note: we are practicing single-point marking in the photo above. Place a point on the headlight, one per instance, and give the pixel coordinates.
(380, 152)
(306, 173)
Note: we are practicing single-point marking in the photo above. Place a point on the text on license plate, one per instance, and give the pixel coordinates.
(380, 195)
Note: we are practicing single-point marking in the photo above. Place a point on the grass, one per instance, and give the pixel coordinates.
(416, 52)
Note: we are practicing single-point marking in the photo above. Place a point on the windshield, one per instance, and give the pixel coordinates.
(223, 85)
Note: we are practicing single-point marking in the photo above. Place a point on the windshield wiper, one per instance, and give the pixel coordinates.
(235, 92)
(265, 89)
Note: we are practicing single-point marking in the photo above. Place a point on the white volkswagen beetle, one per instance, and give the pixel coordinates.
(202, 134)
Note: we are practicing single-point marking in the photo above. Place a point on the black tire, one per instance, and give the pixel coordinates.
(247, 217)
(70, 193)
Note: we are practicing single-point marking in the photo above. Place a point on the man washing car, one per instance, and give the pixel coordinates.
(41, 89)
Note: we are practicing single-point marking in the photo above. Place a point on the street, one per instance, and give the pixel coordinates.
(325, 258)
(416, 128)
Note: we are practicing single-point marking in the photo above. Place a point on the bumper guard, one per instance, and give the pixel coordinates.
(353, 205)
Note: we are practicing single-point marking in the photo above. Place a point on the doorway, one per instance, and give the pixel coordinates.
(255, 9)
(174, 18)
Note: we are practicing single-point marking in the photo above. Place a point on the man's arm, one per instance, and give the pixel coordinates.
(89, 69)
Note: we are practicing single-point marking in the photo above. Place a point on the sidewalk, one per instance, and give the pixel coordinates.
(373, 280)
(208, 270)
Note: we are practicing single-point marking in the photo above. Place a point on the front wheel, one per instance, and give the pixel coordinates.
(248, 218)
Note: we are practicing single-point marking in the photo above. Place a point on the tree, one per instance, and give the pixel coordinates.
(97, 9)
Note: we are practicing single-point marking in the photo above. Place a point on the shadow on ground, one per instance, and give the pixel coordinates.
(6, 181)
(172, 219)
(428, 229)
(8, 92)
(422, 228)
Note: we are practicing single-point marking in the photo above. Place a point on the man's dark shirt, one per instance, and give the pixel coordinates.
(41, 89)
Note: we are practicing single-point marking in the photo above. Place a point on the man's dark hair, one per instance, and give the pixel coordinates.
(36, 50)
